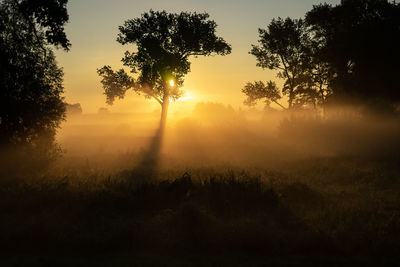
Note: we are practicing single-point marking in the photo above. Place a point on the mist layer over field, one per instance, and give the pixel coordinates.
(214, 135)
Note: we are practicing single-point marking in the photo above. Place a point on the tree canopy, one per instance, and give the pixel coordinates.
(164, 43)
(348, 52)
(31, 101)
(360, 46)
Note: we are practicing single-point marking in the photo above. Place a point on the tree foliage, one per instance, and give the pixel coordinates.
(49, 16)
(345, 52)
(164, 43)
(31, 102)
(360, 42)
(285, 47)
(268, 92)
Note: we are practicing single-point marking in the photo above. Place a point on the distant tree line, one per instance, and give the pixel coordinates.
(344, 53)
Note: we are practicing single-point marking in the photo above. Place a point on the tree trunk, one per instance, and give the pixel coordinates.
(164, 113)
(290, 100)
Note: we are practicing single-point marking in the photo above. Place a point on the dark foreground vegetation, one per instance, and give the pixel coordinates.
(316, 211)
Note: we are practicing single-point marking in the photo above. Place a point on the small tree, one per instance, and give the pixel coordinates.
(164, 42)
(259, 90)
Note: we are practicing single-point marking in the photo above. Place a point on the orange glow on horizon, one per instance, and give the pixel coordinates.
(187, 97)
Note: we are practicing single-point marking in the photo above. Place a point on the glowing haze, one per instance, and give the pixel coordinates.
(93, 29)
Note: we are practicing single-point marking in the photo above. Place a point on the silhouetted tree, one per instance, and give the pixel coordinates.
(360, 41)
(260, 91)
(164, 42)
(31, 102)
(285, 46)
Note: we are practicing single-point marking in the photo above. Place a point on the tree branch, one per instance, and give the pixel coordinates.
(276, 102)
(151, 94)
(290, 82)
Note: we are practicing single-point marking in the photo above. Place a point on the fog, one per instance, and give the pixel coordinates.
(214, 135)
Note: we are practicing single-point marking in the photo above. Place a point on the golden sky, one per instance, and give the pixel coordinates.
(93, 29)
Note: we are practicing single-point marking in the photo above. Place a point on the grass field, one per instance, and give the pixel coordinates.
(331, 210)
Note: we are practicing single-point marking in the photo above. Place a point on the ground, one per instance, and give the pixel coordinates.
(315, 211)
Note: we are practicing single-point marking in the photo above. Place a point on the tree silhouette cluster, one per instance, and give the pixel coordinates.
(348, 52)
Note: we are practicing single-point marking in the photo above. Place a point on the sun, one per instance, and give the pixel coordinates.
(171, 83)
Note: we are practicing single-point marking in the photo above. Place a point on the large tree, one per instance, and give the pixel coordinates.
(360, 46)
(31, 102)
(164, 44)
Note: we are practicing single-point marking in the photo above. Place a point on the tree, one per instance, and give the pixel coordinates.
(360, 42)
(164, 42)
(288, 47)
(259, 90)
(31, 102)
(283, 46)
